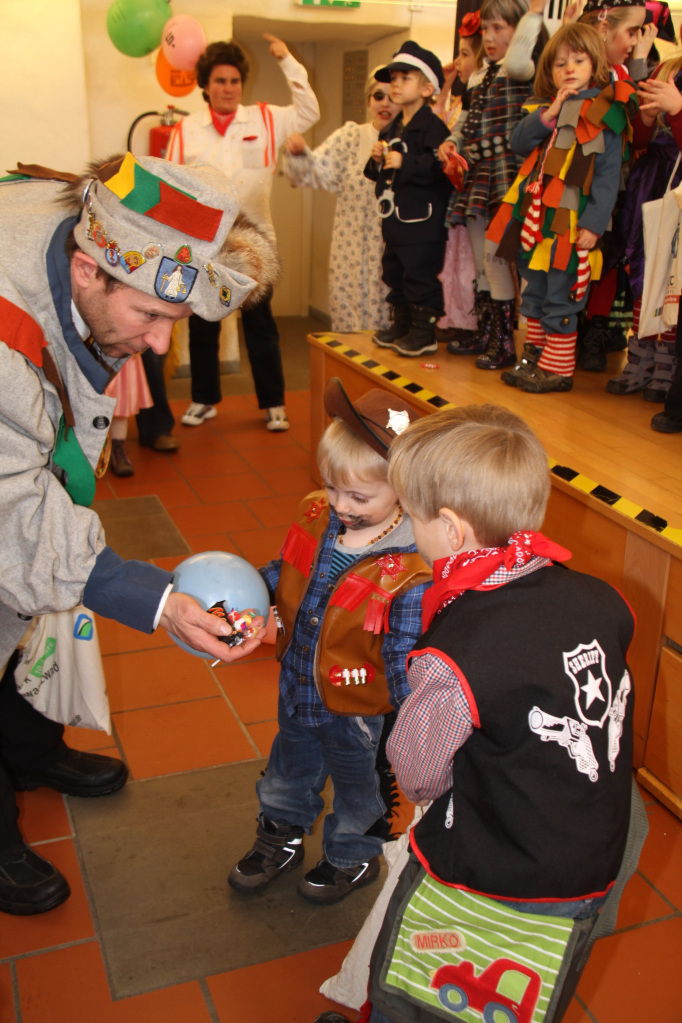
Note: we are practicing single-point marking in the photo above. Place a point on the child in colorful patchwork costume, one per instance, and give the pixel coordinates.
(563, 197)
(518, 728)
(348, 588)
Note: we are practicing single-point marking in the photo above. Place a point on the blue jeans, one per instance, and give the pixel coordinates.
(302, 759)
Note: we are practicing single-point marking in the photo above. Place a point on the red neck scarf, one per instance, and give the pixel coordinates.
(455, 575)
(221, 122)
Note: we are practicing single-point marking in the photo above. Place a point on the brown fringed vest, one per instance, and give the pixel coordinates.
(349, 667)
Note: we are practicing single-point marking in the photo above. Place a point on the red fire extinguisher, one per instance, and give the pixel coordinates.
(159, 134)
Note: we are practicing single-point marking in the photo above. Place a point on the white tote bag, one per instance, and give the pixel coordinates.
(660, 294)
(60, 670)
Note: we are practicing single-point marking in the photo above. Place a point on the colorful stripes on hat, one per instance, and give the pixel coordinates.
(143, 192)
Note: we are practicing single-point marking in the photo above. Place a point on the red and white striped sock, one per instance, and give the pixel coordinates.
(535, 335)
(530, 231)
(558, 355)
(583, 274)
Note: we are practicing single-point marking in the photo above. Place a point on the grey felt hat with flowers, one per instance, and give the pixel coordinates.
(160, 228)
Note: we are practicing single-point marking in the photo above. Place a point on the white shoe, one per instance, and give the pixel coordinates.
(276, 418)
(197, 414)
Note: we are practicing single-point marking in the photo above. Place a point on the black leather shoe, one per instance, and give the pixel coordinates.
(28, 883)
(76, 774)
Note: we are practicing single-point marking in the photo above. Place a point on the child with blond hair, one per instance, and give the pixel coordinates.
(518, 728)
(348, 588)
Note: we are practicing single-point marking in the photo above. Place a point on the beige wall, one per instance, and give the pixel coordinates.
(69, 95)
(42, 84)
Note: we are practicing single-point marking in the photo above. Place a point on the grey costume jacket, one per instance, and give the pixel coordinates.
(53, 554)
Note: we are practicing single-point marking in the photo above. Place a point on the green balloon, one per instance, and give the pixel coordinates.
(135, 26)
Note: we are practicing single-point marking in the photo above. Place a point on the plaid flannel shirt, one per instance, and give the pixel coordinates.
(297, 679)
(435, 720)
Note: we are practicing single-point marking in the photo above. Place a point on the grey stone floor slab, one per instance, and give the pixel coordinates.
(156, 858)
(140, 527)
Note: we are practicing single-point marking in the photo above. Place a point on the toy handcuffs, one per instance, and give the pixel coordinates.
(386, 201)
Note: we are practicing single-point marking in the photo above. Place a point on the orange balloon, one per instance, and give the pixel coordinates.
(172, 80)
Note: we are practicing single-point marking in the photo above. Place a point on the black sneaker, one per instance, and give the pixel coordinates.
(28, 883)
(326, 883)
(277, 849)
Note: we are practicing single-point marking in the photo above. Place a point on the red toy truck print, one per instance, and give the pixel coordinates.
(459, 988)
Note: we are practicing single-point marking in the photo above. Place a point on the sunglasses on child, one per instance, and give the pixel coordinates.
(378, 96)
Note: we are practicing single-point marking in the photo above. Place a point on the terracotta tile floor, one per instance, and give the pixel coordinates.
(233, 486)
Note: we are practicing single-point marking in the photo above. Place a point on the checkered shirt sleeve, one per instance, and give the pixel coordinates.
(435, 720)
(433, 723)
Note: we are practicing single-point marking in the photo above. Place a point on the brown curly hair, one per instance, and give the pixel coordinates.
(220, 53)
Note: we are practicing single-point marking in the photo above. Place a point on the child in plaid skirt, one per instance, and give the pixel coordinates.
(513, 36)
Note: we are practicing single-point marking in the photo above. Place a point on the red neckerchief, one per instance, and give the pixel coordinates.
(221, 122)
(454, 575)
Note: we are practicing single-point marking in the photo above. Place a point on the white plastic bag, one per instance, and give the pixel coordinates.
(660, 293)
(349, 985)
(60, 670)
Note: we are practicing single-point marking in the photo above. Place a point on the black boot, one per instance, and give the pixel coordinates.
(477, 341)
(593, 340)
(501, 351)
(400, 314)
(421, 337)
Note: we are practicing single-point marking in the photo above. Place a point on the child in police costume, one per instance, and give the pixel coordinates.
(348, 589)
(518, 728)
(413, 194)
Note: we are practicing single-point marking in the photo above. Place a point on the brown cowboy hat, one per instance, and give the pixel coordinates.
(377, 417)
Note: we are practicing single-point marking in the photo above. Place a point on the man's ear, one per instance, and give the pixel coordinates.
(454, 528)
(83, 269)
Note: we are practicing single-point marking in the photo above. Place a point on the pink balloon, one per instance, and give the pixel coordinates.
(183, 40)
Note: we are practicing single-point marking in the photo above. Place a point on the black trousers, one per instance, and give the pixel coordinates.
(262, 345)
(411, 273)
(157, 420)
(28, 741)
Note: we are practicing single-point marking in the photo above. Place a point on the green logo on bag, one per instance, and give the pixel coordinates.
(50, 647)
(84, 627)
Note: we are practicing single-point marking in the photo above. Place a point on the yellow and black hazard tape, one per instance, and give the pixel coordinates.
(575, 479)
(360, 359)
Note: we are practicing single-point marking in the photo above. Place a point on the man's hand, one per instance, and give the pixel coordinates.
(184, 617)
(278, 49)
(295, 144)
(445, 149)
